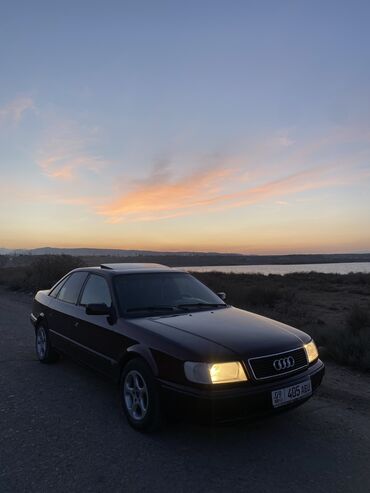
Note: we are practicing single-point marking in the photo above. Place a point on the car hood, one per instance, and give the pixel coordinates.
(246, 334)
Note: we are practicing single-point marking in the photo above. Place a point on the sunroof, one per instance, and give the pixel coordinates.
(130, 266)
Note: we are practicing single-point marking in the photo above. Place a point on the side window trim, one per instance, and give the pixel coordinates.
(82, 288)
(78, 303)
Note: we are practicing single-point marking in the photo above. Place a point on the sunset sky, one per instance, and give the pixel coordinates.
(239, 126)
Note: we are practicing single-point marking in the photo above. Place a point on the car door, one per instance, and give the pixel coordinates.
(97, 334)
(63, 314)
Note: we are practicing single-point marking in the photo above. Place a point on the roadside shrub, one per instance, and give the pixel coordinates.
(47, 270)
(42, 273)
(357, 319)
(12, 277)
(263, 296)
(3, 260)
(248, 290)
(351, 344)
(347, 349)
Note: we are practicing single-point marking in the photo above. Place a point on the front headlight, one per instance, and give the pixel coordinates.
(311, 351)
(214, 372)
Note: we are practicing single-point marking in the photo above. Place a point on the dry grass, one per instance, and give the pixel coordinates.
(333, 308)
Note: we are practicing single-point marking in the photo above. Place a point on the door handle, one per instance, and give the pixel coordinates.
(76, 324)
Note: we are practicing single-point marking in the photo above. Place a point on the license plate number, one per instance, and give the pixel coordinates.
(293, 393)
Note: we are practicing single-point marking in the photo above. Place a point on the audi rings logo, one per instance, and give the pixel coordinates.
(284, 363)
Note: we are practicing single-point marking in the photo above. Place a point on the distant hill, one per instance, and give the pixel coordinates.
(95, 256)
(72, 251)
(82, 252)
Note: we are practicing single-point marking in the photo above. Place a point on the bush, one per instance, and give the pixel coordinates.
(349, 350)
(42, 273)
(263, 296)
(248, 291)
(46, 271)
(351, 345)
(357, 319)
(12, 277)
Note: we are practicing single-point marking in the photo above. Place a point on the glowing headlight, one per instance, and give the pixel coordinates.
(311, 351)
(214, 373)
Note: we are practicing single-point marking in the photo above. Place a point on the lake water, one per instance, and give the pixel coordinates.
(342, 268)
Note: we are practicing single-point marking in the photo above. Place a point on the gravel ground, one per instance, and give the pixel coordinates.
(61, 430)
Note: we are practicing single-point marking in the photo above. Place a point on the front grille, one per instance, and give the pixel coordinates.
(275, 365)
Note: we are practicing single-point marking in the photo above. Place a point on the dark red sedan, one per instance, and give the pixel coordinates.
(173, 345)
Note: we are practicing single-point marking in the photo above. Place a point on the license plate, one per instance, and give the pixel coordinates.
(293, 393)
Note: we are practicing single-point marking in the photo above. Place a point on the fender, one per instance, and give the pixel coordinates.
(141, 351)
(36, 320)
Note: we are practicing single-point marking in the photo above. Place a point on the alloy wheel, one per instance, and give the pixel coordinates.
(136, 395)
(41, 342)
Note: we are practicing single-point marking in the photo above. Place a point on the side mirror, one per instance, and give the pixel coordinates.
(97, 309)
(222, 295)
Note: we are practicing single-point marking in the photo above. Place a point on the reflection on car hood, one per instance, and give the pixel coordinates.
(245, 333)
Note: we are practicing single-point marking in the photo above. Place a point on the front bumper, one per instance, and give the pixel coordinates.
(253, 399)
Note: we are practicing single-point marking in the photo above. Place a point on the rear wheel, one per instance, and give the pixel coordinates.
(44, 351)
(139, 396)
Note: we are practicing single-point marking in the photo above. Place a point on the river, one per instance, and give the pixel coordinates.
(335, 268)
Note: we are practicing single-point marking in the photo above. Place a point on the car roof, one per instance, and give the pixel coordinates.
(128, 268)
(123, 267)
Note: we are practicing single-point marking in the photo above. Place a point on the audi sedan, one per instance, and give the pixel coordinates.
(174, 346)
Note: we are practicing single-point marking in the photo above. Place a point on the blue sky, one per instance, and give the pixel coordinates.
(223, 125)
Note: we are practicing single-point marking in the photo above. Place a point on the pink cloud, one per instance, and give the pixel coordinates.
(66, 154)
(64, 166)
(13, 111)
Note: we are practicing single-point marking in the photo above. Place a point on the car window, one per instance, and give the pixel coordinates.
(158, 289)
(54, 292)
(96, 291)
(71, 288)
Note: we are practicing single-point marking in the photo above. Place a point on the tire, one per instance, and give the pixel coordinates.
(139, 396)
(44, 350)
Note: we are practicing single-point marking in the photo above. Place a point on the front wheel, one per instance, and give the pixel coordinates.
(139, 396)
(44, 351)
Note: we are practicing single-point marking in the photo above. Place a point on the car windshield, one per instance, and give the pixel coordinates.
(139, 294)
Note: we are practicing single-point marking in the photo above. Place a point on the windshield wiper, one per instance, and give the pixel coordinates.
(196, 305)
(181, 307)
(152, 308)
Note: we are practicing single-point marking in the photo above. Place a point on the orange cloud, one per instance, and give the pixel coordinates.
(221, 182)
(206, 190)
(152, 200)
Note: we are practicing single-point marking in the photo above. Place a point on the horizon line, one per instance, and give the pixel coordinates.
(174, 252)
